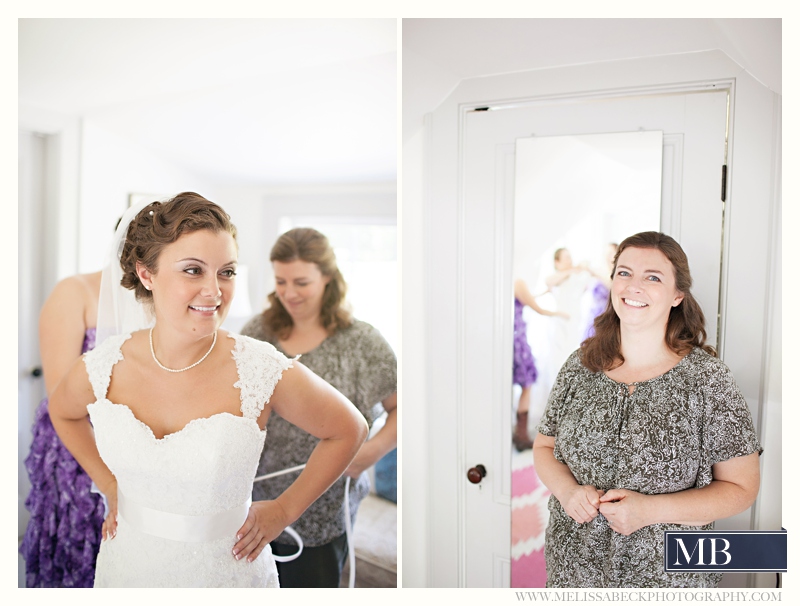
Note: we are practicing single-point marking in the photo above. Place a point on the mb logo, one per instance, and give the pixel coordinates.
(725, 551)
(704, 550)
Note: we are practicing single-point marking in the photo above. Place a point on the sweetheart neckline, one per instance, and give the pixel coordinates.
(182, 429)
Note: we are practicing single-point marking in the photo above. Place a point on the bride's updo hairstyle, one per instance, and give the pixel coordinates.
(161, 223)
(686, 323)
(309, 245)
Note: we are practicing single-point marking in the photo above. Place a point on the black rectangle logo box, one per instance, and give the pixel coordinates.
(725, 551)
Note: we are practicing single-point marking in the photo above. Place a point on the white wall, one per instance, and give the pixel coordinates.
(61, 188)
(751, 299)
(769, 513)
(113, 167)
(413, 371)
(90, 174)
(94, 170)
(100, 169)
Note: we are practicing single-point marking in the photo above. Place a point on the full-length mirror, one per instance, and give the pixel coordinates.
(576, 197)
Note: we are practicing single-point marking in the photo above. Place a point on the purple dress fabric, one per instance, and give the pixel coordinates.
(63, 536)
(524, 367)
(599, 302)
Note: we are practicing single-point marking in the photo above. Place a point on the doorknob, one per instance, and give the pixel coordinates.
(36, 371)
(476, 474)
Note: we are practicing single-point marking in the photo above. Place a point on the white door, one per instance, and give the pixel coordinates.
(694, 127)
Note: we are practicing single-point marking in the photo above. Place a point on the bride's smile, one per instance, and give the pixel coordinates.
(194, 283)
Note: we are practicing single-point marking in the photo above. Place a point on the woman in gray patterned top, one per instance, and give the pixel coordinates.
(645, 431)
(307, 315)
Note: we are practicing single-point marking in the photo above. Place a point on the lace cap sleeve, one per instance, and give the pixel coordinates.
(100, 361)
(260, 367)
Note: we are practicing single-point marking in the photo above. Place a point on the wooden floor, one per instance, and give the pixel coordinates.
(369, 575)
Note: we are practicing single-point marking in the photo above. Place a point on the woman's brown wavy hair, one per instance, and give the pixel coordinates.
(309, 245)
(686, 324)
(161, 223)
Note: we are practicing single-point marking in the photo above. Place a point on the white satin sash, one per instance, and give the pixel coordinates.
(177, 527)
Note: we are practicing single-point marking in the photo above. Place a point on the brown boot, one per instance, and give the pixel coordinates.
(520, 437)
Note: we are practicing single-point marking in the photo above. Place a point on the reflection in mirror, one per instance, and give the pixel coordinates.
(575, 198)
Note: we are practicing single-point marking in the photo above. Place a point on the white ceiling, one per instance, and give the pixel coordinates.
(242, 101)
(288, 101)
(439, 53)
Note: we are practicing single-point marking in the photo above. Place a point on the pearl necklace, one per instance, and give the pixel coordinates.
(160, 365)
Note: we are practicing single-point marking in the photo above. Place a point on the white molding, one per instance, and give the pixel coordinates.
(502, 572)
(502, 351)
(764, 515)
(672, 188)
(598, 94)
(62, 195)
(461, 352)
(722, 318)
(427, 280)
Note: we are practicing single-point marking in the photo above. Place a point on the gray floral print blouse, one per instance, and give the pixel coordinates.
(662, 438)
(358, 362)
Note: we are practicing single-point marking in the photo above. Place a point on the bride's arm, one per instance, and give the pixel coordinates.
(305, 400)
(68, 413)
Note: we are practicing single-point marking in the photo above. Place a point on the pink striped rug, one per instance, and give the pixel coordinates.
(529, 517)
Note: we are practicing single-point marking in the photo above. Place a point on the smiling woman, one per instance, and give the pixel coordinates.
(309, 315)
(642, 298)
(175, 437)
(645, 431)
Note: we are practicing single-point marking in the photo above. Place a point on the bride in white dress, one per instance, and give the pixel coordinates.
(169, 421)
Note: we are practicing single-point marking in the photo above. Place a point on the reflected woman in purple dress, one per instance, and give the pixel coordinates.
(600, 291)
(63, 535)
(524, 367)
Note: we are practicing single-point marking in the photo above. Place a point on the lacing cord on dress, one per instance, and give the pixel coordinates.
(293, 533)
(288, 530)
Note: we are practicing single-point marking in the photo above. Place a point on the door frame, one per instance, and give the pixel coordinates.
(62, 187)
(58, 259)
(503, 204)
(444, 240)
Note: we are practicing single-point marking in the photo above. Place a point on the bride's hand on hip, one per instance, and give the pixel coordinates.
(109, 529)
(265, 521)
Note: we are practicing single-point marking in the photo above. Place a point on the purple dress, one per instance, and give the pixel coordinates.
(600, 294)
(63, 536)
(524, 368)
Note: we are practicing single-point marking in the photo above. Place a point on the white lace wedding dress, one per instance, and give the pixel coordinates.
(183, 497)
